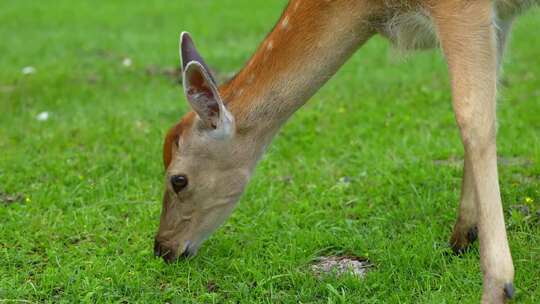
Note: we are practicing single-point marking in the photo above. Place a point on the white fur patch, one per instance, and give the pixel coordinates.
(411, 30)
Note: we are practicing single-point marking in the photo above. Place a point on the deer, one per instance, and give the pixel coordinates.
(210, 154)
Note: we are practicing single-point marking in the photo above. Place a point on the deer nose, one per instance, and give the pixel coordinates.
(164, 252)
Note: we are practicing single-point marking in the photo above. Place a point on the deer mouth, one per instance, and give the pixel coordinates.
(170, 255)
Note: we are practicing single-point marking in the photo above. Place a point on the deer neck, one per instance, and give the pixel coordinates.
(311, 40)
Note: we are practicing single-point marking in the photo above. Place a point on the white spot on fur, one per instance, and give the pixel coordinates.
(270, 45)
(296, 5)
(285, 22)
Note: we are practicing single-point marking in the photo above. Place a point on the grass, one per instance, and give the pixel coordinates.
(89, 179)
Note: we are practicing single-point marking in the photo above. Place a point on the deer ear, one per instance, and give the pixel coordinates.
(202, 92)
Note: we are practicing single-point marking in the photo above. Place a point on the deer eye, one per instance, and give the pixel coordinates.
(179, 182)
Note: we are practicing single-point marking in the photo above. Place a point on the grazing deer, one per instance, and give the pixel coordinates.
(210, 154)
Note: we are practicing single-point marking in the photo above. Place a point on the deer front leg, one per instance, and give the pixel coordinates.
(465, 229)
(468, 40)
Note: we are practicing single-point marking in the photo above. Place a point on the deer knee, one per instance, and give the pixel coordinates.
(477, 133)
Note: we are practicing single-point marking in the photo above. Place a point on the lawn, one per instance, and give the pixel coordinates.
(371, 166)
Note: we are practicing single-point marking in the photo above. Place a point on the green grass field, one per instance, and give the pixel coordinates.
(85, 185)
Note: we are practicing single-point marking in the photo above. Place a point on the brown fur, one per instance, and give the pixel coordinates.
(174, 134)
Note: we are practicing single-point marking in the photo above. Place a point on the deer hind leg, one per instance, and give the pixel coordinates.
(468, 40)
(466, 229)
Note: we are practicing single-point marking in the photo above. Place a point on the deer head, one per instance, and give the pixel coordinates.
(210, 154)
(205, 161)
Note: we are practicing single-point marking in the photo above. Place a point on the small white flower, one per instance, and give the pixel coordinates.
(127, 62)
(43, 116)
(29, 70)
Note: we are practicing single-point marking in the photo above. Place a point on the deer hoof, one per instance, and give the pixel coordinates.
(462, 240)
(509, 291)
